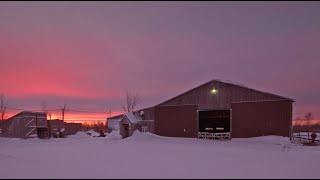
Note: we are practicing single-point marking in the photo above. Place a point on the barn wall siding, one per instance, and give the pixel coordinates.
(251, 119)
(148, 113)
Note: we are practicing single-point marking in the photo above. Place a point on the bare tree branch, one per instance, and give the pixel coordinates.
(3, 106)
(308, 118)
(124, 108)
(298, 122)
(44, 106)
(131, 101)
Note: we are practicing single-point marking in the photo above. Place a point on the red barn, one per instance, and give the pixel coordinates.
(218, 107)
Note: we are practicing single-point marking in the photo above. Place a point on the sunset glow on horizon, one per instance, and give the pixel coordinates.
(87, 55)
(77, 117)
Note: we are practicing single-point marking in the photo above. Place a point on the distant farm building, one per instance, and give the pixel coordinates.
(35, 124)
(72, 128)
(218, 107)
(24, 125)
(113, 123)
(55, 127)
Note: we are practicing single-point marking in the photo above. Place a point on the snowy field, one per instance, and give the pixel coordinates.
(145, 155)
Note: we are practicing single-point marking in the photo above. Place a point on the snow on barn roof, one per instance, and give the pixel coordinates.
(131, 117)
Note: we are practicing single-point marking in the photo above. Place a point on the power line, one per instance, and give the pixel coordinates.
(20, 109)
(96, 112)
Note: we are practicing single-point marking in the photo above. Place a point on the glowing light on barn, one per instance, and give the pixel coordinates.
(214, 91)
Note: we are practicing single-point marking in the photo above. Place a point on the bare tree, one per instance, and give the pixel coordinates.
(132, 100)
(298, 122)
(44, 106)
(57, 113)
(3, 106)
(308, 118)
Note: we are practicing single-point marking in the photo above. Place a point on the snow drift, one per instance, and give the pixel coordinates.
(145, 155)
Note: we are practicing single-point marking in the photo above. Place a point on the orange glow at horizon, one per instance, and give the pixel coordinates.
(76, 117)
(303, 122)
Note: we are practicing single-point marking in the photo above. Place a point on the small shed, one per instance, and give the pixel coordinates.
(128, 124)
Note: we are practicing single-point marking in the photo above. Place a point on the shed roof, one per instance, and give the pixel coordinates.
(131, 117)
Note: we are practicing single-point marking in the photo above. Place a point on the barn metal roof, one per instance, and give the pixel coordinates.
(229, 83)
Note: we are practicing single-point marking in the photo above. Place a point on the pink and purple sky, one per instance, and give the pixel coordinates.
(87, 54)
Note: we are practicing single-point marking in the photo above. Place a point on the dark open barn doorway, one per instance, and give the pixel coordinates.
(125, 130)
(214, 121)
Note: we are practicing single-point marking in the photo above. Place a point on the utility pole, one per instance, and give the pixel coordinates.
(109, 113)
(63, 111)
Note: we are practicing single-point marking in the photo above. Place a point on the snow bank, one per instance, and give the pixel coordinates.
(84, 134)
(114, 135)
(137, 135)
(93, 133)
(80, 135)
(272, 140)
(144, 136)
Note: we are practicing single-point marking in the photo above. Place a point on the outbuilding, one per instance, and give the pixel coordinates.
(128, 124)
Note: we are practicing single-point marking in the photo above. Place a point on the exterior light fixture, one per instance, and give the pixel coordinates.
(214, 91)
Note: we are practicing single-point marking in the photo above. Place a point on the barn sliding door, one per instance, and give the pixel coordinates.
(176, 121)
(261, 118)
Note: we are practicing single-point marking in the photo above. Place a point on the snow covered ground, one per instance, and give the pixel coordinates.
(146, 155)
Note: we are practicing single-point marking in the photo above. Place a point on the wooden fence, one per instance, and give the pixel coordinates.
(301, 134)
